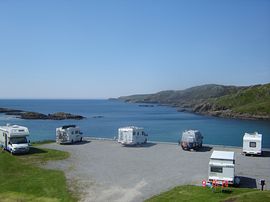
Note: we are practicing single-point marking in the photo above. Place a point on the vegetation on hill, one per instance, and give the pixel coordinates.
(251, 102)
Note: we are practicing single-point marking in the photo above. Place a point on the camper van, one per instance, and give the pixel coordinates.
(221, 167)
(13, 138)
(68, 134)
(252, 143)
(191, 139)
(132, 135)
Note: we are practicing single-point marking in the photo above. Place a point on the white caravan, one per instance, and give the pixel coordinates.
(13, 138)
(131, 135)
(252, 143)
(68, 134)
(221, 167)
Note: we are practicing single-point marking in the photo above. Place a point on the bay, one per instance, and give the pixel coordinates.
(160, 122)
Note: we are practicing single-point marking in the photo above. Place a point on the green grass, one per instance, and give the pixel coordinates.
(190, 193)
(22, 180)
(37, 143)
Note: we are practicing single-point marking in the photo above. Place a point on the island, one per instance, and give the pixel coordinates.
(36, 115)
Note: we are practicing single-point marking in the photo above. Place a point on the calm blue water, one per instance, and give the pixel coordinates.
(161, 123)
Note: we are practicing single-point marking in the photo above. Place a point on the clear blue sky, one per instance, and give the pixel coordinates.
(101, 49)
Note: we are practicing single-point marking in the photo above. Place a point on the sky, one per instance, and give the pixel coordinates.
(100, 49)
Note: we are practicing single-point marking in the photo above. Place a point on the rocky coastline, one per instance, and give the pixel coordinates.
(209, 109)
(235, 102)
(36, 115)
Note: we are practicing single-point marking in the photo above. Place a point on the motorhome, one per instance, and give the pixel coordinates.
(13, 138)
(222, 167)
(191, 139)
(68, 134)
(252, 143)
(132, 135)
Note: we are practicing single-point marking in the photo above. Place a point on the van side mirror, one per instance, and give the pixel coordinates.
(9, 143)
(28, 141)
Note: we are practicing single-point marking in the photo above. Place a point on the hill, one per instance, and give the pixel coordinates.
(245, 102)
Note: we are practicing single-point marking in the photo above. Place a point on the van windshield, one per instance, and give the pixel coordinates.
(18, 140)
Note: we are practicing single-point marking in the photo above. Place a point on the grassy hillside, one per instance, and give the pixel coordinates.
(190, 96)
(198, 194)
(252, 102)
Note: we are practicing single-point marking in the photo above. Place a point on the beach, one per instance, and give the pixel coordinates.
(104, 170)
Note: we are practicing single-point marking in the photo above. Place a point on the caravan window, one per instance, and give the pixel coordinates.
(216, 169)
(252, 144)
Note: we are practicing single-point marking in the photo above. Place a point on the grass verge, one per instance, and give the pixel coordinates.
(190, 193)
(22, 180)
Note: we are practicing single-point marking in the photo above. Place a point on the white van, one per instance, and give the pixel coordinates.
(131, 135)
(191, 139)
(13, 138)
(68, 134)
(252, 143)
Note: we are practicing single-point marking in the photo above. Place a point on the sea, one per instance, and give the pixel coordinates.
(104, 117)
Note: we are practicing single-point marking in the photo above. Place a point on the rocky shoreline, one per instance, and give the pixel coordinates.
(36, 115)
(208, 109)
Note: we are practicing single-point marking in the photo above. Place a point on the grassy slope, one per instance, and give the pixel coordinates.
(197, 194)
(253, 100)
(22, 180)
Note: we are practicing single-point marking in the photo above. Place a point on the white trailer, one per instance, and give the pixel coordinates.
(13, 138)
(131, 135)
(252, 143)
(221, 167)
(68, 134)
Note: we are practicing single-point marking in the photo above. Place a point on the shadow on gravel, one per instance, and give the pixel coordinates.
(247, 182)
(148, 144)
(205, 149)
(81, 143)
(202, 149)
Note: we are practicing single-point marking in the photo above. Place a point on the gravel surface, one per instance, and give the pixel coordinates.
(103, 170)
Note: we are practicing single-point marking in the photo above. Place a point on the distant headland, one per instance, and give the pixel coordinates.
(241, 102)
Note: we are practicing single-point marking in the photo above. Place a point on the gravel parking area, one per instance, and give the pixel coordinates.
(103, 170)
